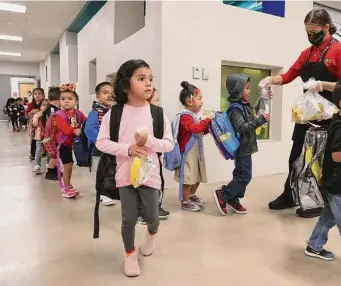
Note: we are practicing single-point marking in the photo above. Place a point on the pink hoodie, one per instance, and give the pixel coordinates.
(132, 119)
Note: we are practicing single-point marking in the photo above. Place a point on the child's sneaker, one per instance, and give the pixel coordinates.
(68, 193)
(31, 158)
(148, 246)
(131, 265)
(105, 201)
(51, 174)
(221, 205)
(197, 200)
(141, 220)
(36, 169)
(323, 254)
(73, 190)
(163, 214)
(236, 207)
(190, 206)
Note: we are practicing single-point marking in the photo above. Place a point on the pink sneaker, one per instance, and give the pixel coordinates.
(148, 246)
(68, 193)
(131, 265)
(73, 189)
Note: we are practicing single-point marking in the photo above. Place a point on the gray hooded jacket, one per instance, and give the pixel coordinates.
(244, 123)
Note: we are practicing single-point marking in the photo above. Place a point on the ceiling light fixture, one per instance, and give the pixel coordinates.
(10, 54)
(11, 38)
(12, 7)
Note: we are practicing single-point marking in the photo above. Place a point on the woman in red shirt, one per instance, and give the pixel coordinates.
(321, 61)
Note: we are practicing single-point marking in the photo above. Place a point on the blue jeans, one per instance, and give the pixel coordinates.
(242, 175)
(37, 156)
(330, 217)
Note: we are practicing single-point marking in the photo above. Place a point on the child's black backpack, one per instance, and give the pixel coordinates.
(106, 170)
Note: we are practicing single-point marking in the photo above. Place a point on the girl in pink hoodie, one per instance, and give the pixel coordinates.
(133, 88)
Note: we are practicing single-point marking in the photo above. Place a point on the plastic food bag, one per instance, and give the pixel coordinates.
(264, 102)
(142, 168)
(311, 106)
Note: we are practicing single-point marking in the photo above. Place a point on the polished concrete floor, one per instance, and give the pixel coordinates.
(46, 240)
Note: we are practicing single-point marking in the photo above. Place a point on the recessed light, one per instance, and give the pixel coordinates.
(11, 38)
(10, 54)
(12, 7)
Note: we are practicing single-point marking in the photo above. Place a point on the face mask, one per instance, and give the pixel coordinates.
(317, 38)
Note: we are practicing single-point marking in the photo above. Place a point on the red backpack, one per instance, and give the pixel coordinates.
(49, 135)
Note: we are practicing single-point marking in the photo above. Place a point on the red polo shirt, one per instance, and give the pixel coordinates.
(188, 127)
(332, 60)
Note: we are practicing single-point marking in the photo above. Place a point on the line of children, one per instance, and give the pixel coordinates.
(22, 111)
(105, 100)
(331, 188)
(191, 129)
(133, 88)
(245, 123)
(37, 123)
(68, 123)
(13, 111)
(34, 107)
(51, 145)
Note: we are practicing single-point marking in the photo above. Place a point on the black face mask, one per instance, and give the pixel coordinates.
(317, 38)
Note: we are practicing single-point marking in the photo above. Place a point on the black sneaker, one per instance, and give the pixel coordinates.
(323, 254)
(221, 205)
(163, 214)
(51, 175)
(283, 202)
(309, 213)
(31, 158)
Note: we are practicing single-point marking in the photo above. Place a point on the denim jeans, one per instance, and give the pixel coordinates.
(37, 156)
(242, 175)
(330, 217)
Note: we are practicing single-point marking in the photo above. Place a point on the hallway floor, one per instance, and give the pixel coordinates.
(46, 240)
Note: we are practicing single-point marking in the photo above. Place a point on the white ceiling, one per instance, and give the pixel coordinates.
(41, 27)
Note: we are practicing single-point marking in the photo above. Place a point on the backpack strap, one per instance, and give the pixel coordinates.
(115, 121)
(158, 122)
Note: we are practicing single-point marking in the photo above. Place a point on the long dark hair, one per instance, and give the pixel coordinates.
(320, 17)
(123, 76)
(36, 105)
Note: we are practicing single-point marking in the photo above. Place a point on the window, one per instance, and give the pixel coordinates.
(256, 75)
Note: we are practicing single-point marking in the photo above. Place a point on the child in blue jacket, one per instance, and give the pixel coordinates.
(105, 99)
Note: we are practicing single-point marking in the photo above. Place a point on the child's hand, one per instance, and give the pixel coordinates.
(77, 132)
(212, 116)
(141, 139)
(138, 151)
(267, 116)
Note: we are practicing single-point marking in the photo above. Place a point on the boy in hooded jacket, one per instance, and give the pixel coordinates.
(245, 124)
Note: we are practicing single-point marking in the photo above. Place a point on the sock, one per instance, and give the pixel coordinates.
(129, 252)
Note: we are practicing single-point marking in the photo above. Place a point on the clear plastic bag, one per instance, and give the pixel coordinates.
(142, 168)
(311, 106)
(263, 103)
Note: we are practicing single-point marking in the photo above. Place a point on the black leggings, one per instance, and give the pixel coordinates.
(33, 148)
(14, 120)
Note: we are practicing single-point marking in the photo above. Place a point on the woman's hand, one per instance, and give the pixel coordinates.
(313, 85)
(138, 151)
(141, 139)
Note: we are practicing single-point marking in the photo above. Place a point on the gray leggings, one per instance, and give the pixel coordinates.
(129, 202)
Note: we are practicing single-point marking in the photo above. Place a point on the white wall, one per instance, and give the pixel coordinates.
(52, 63)
(221, 32)
(68, 58)
(19, 69)
(96, 41)
(16, 80)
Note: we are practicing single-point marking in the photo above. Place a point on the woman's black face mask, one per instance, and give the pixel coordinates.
(317, 38)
